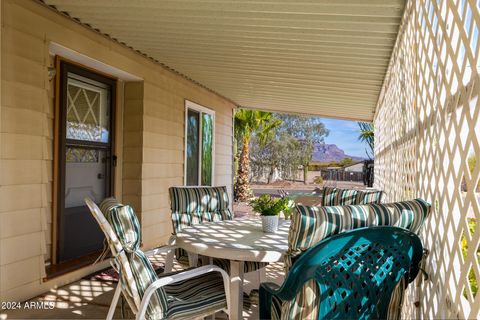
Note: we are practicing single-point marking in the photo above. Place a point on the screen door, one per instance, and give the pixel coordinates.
(86, 135)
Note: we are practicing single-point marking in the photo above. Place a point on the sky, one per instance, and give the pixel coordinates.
(345, 134)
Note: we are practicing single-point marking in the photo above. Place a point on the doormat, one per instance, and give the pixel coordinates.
(109, 274)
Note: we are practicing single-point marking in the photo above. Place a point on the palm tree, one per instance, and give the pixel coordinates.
(247, 123)
(367, 135)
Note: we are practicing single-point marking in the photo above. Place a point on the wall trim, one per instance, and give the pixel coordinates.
(81, 59)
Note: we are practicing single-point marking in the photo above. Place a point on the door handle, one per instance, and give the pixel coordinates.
(100, 176)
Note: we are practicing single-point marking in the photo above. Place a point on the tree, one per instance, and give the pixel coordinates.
(308, 131)
(472, 161)
(277, 152)
(346, 162)
(367, 135)
(247, 123)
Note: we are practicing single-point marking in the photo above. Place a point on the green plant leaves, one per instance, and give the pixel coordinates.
(266, 205)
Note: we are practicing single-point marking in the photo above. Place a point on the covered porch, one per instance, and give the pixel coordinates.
(91, 297)
(411, 67)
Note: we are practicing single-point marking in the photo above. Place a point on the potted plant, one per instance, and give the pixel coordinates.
(269, 208)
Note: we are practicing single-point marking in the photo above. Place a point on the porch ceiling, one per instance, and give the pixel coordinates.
(324, 57)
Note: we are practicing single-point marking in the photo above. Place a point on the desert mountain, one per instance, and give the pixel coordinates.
(331, 152)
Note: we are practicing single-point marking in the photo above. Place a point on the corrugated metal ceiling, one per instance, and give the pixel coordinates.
(324, 57)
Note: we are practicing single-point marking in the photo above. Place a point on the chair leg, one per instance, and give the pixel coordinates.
(262, 275)
(122, 307)
(205, 260)
(113, 305)
(257, 277)
(192, 259)
(169, 261)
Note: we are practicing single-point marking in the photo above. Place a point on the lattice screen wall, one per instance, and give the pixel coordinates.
(427, 137)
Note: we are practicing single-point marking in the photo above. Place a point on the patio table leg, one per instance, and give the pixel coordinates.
(236, 289)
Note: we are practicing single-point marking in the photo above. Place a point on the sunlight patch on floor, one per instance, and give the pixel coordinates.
(91, 298)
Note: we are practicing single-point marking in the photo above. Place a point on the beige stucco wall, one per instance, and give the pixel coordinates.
(150, 148)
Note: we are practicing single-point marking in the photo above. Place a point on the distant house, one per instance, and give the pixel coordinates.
(356, 167)
(333, 168)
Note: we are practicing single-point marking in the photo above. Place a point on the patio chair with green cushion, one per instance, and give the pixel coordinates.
(193, 293)
(332, 196)
(311, 225)
(196, 205)
(356, 273)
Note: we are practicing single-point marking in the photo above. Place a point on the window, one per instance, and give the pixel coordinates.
(199, 145)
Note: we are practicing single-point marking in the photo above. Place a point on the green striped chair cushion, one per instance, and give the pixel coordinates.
(342, 197)
(310, 225)
(339, 197)
(396, 301)
(203, 294)
(276, 308)
(371, 196)
(107, 204)
(125, 224)
(130, 291)
(193, 205)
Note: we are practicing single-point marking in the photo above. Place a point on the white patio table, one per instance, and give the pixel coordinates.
(238, 241)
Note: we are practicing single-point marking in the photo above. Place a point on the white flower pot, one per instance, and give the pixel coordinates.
(269, 224)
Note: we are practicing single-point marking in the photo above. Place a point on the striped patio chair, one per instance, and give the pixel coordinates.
(197, 292)
(333, 196)
(310, 225)
(196, 205)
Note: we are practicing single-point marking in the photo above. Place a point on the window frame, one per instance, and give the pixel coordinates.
(189, 105)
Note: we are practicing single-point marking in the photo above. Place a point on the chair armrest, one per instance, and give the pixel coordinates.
(170, 250)
(270, 287)
(177, 277)
(172, 241)
(159, 250)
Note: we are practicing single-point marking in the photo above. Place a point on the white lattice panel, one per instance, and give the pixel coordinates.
(395, 142)
(427, 127)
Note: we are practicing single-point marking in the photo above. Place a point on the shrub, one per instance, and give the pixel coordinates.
(318, 180)
(471, 276)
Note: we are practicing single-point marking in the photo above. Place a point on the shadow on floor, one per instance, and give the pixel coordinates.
(90, 299)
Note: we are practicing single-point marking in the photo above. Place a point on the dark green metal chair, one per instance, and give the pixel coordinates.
(356, 272)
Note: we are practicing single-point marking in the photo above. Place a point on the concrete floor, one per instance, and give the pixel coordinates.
(90, 299)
